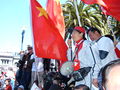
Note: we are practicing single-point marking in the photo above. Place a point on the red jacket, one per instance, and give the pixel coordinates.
(8, 87)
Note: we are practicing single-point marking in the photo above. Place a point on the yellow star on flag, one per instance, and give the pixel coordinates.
(57, 1)
(42, 12)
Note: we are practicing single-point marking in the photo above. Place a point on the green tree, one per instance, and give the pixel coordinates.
(90, 16)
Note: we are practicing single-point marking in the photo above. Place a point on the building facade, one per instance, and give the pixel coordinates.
(9, 59)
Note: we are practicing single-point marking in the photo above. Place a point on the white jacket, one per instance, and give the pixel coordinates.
(86, 60)
(105, 44)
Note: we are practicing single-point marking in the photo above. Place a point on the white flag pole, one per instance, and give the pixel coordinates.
(77, 13)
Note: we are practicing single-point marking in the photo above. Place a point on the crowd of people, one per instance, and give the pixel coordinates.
(33, 70)
(96, 56)
(94, 52)
(7, 78)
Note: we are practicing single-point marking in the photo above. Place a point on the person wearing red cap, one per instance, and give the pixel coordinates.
(82, 55)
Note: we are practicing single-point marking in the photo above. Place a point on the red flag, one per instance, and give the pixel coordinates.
(48, 43)
(94, 1)
(90, 1)
(111, 6)
(55, 12)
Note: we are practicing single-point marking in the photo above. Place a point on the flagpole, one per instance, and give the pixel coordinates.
(77, 13)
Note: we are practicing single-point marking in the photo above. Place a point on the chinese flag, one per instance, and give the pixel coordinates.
(55, 12)
(94, 1)
(111, 6)
(48, 42)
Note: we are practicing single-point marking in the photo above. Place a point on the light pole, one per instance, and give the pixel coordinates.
(22, 39)
(23, 33)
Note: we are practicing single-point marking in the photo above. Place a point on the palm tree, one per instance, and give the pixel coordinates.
(90, 16)
(115, 27)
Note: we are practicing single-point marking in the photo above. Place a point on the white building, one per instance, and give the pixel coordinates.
(8, 59)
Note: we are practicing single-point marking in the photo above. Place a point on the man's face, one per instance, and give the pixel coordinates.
(7, 82)
(113, 79)
(92, 35)
(20, 89)
(30, 50)
(76, 35)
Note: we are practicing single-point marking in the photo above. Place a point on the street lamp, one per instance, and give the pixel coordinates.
(23, 33)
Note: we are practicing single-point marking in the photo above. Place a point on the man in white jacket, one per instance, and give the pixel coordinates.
(103, 50)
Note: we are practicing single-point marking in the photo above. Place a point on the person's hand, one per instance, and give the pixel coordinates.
(69, 42)
(95, 82)
(115, 43)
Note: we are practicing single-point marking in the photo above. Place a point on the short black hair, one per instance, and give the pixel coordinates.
(84, 36)
(85, 87)
(29, 47)
(93, 30)
(8, 79)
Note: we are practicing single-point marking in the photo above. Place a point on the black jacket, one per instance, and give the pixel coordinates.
(26, 57)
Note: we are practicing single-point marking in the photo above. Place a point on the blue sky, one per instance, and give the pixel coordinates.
(14, 15)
